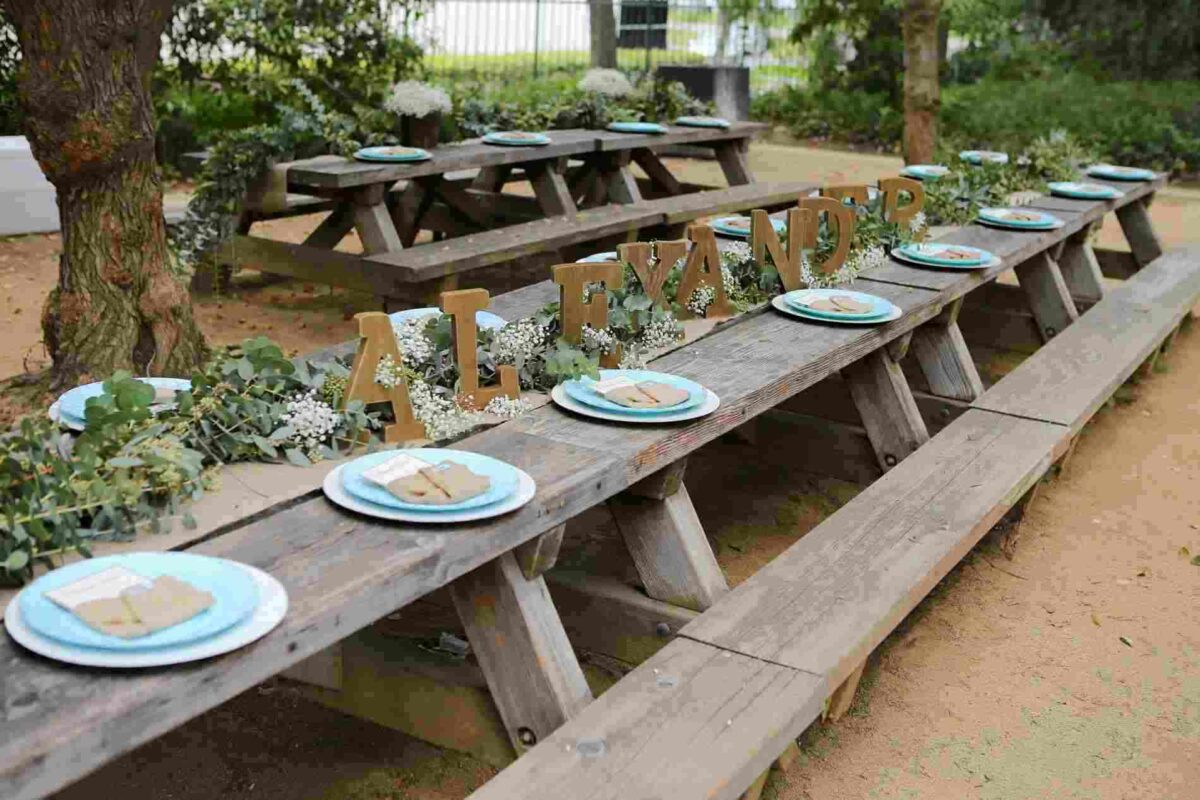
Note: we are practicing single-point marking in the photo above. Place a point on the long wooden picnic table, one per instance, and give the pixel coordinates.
(344, 572)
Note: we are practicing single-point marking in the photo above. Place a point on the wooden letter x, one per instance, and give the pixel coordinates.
(461, 306)
(764, 240)
(376, 339)
(652, 268)
(703, 268)
(573, 313)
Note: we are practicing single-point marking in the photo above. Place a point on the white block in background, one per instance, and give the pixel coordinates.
(27, 201)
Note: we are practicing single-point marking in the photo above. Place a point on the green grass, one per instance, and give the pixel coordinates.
(549, 62)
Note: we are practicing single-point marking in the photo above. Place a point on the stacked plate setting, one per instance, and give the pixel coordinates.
(392, 154)
(1024, 219)
(925, 172)
(1113, 172)
(69, 410)
(703, 122)
(247, 604)
(978, 157)
(517, 139)
(580, 397)
(801, 304)
(945, 256)
(600, 258)
(510, 488)
(637, 127)
(1080, 190)
(739, 227)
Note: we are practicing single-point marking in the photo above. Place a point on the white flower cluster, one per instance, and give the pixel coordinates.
(918, 223)
(701, 298)
(858, 262)
(601, 340)
(660, 332)
(442, 417)
(311, 420)
(416, 99)
(415, 348)
(518, 341)
(632, 358)
(388, 373)
(507, 407)
(611, 82)
(736, 255)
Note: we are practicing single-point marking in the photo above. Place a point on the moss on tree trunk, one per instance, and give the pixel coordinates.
(84, 88)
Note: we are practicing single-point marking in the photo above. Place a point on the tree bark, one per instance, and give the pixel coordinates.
(84, 87)
(604, 33)
(922, 87)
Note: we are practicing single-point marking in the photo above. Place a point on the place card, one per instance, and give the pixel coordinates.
(119, 602)
(402, 465)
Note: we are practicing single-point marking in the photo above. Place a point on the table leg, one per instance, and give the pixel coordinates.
(1080, 269)
(668, 545)
(1139, 232)
(333, 228)
(944, 358)
(732, 157)
(520, 644)
(622, 186)
(491, 179)
(887, 407)
(416, 199)
(1049, 300)
(660, 176)
(372, 221)
(551, 187)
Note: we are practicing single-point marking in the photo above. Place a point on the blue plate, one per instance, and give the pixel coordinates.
(581, 391)
(925, 172)
(600, 258)
(232, 588)
(636, 127)
(516, 139)
(977, 157)
(393, 154)
(73, 403)
(503, 476)
(996, 216)
(703, 122)
(483, 319)
(1084, 191)
(879, 306)
(928, 254)
(725, 227)
(1115, 173)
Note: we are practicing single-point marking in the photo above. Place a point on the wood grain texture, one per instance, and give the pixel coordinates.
(830, 599)
(691, 722)
(1139, 232)
(540, 554)
(945, 361)
(519, 642)
(1049, 300)
(1068, 380)
(769, 196)
(1080, 270)
(887, 408)
(660, 177)
(732, 158)
(551, 188)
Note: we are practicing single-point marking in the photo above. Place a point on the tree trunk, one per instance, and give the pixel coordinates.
(724, 29)
(922, 88)
(604, 33)
(84, 87)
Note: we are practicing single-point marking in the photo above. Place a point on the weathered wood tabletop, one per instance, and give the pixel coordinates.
(344, 571)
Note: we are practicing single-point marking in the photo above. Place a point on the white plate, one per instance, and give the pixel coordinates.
(272, 607)
(782, 306)
(711, 403)
(57, 417)
(526, 488)
(995, 262)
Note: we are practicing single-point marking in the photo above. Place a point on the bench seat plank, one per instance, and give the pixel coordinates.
(712, 202)
(691, 722)
(1067, 381)
(830, 599)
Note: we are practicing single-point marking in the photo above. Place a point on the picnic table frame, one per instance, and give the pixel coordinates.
(344, 572)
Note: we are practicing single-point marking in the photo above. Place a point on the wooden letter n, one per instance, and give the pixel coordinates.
(461, 306)
(764, 240)
(376, 339)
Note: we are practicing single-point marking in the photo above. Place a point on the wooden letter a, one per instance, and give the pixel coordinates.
(376, 339)
(703, 268)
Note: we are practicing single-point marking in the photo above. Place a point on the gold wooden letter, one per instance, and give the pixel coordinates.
(376, 339)
(763, 240)
(652, 268)
(574, 313)
(840, 215)
(856, 192)
(461, 306)
(703, 268)
(891, 188)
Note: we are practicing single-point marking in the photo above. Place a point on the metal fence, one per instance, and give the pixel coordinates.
(498, 39)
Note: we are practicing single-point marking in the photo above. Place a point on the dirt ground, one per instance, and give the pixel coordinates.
(1071, 671)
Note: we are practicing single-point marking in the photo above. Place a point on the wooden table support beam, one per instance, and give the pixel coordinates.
(668, 545)
(1139, 232)
(551, 188)
(731, 155)
(521, 647)
(843, 697)
(944, 358)
(1080, 269)
(884, 401)
(1049, 300)
(622, 186)
(372, 221)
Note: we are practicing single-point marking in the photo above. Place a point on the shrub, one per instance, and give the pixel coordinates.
(856, 117)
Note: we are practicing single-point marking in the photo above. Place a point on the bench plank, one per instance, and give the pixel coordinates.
(771, 196)
(691, 722)
(830, 599)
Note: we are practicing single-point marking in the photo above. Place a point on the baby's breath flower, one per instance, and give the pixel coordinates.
(416, 99)
(701, 298)
(662, 331)
(388, 373)
(609, 82)
(507, 407)
(312, 421)
(518, 342)
(918, 223)
(442, 417)
(416, 350)
(632, 358)
(601, 340)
